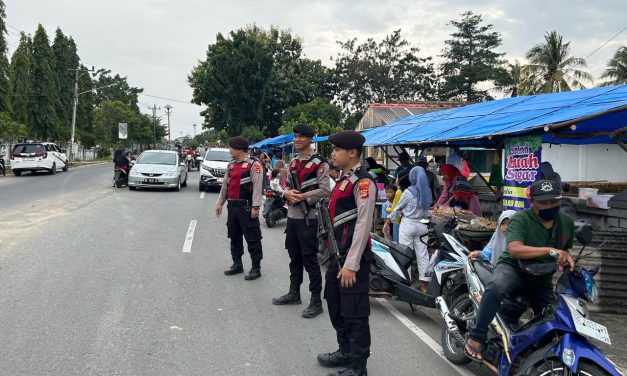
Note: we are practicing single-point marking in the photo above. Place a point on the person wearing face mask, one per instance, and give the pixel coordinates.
(538, 243)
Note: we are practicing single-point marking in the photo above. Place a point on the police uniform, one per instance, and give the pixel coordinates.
(351, 209)
(301, 241)
(242, 190)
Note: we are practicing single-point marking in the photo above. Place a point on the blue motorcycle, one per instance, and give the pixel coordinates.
(555, 342)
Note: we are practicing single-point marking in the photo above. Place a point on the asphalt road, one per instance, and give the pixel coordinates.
(95, 282)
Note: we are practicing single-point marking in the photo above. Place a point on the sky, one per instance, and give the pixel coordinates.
(155, 43)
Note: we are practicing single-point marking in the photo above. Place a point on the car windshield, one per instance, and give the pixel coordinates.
(157, 158)
(29, 148)
(218, 155)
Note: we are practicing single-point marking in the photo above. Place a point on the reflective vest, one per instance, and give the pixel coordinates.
(343, 208)
(240, 184)
(307, 172)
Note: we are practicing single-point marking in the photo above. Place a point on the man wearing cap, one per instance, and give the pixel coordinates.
(312, 173)
(242, 189)
(538, 243)
(351, 209)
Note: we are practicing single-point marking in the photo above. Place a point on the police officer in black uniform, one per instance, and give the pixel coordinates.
(242, 189)
(312, 173)
(351, 209)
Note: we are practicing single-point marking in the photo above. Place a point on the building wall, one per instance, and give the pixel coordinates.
(587, 162)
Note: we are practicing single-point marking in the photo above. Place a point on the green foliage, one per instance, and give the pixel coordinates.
(253, 134)
(251, 76)
(106, 119)
(320, 113)
(10, 130)
(120, 90)
(44, 100)
(381, 72)
(471, 59)
(553, 69)
(20, 87)
(616, 71)
(4, 62)
(517, 81)
(65, 61)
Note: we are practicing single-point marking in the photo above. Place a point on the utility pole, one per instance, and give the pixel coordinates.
(154, 109)
(194, 130)
(168, 111)
(77, 70)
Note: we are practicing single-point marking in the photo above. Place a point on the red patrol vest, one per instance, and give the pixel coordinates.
(343, 209)
(240, 184)
(307, 172)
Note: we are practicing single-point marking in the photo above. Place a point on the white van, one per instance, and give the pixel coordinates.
(214, 166)
(38, 156)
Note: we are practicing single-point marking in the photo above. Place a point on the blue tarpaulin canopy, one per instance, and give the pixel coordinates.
(282, 140)
(592, 116)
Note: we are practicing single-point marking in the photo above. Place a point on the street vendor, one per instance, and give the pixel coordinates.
(449, 173)
(462, 195)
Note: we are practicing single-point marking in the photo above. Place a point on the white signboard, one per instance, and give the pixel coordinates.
(122, 131)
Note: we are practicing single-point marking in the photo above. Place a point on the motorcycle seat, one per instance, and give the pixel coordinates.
(400, 248)
(484, 270)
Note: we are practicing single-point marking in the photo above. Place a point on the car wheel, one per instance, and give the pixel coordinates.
(17, 172)
(184, 184)
(66, 167)
(132, 188)
(200, 188)
(178, 185)
(53, 170)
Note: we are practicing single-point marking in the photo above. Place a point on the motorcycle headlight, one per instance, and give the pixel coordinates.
(592, 293)
(568, 357)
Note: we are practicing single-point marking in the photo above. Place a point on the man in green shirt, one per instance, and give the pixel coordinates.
(540, 235)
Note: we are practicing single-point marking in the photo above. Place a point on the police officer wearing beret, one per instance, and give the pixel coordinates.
(312, 173)
(242, 190)
(351, 209)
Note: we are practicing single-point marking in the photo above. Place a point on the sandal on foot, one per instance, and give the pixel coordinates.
(477, 349)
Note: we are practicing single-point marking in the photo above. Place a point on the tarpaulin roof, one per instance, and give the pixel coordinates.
(596, 114)
(283, 139)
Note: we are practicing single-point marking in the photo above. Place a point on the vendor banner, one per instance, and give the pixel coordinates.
(522, 167)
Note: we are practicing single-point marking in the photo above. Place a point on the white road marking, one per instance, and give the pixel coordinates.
(202, 195)
(189, 238)
(424, 337)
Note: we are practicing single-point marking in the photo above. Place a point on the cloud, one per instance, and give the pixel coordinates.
(155, 43)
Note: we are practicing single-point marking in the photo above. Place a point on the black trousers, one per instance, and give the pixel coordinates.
(349, 309)
(508, 279)
(238, 224)
(301, 241)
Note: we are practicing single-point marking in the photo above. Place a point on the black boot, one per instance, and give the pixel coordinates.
(292, 297)
(254, 273)
(236, 268)
(334, 359)
(350, 372)
(315, 307)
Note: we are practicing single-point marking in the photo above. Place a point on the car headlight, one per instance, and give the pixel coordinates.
(134, 172)
(171, 173)
(208, 169)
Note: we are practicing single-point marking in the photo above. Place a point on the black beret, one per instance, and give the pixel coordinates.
(238, 142)
(347, 139)
(304, 130)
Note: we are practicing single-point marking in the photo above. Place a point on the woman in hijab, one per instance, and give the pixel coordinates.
(414, 205)
(462, 196)
(449, 173)
(492, 251)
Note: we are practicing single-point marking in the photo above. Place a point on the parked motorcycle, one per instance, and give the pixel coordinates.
(274, 208)
(554, 342)
(390, 274)
(2, 165)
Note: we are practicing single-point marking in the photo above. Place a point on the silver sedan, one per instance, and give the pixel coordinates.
(158, 169)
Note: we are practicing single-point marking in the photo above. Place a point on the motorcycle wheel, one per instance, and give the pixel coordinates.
(270, 219)
(554, 366)
(117, 179)
(454, 353)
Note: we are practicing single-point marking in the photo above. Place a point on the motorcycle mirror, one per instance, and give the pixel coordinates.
(583, 232)
(594, 270)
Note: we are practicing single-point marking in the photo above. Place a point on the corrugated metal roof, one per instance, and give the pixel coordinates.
(379, 114)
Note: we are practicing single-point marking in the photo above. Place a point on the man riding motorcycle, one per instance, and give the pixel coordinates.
(538, 242)
(120, 161)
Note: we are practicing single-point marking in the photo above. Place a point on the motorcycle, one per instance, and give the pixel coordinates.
(552, 342)
(2, 164)
(198, 160)
(274, 208)
(120, 175)
(189, 161)
(390, 273)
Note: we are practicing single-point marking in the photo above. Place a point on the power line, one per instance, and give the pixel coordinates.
(15, 28)
(168, 99)
(606, 42)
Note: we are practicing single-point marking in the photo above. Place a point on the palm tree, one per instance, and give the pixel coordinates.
(616, 70)
(552, 67)
(516, 80)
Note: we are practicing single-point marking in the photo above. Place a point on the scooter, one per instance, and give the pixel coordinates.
(553, 342)
(274, 208)
(390, 273)
(189, 161)
(198, 160)
(120, 175)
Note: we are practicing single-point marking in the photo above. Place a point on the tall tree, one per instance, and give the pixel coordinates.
(616, 71)
(65, 62)
(115, 88)
(471, 59)
(45, 94)
(85, 110)
(323, 115)
(106, 119)
(517, 81)
(20, 87)
(389, 70)
(4, 62)
(552, 67)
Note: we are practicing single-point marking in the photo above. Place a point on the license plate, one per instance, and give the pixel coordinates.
(591, 329)
(151, 180)
(219, 180)
(29, 159)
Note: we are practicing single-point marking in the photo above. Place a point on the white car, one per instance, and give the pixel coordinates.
(213, 168)
(38, 156)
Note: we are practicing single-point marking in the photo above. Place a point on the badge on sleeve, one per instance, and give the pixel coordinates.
(364, 188)
(343, 185)
(308, 165)
(321, 169)
(257, 168)
(245, 164)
